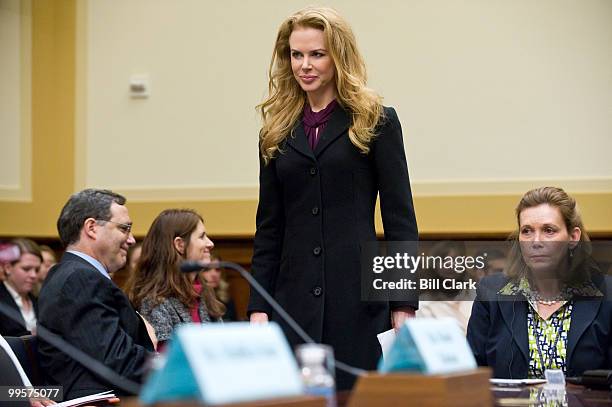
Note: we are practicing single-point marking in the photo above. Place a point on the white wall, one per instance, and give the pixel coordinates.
(493, 95)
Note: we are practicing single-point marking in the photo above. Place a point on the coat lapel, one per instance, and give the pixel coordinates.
(297, 139)
(182, 312)
(7, 298)
(583, 314)
(336, 126)
(514, 313)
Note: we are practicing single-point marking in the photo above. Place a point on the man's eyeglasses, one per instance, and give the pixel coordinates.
(124, 227)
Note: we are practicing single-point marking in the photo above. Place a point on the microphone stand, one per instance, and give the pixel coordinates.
(190, 266)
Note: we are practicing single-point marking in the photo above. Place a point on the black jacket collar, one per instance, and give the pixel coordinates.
(338, 123)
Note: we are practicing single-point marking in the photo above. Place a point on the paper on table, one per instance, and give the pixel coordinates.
(386, 340)
(105, 395)
(516, 382)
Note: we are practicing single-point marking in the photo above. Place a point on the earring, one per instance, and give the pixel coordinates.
(571, 253)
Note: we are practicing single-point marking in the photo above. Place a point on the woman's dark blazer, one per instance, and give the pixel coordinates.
(316, 210)
(8, 327)
(497, 331)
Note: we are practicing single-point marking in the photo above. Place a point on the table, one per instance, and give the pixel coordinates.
(575, 396)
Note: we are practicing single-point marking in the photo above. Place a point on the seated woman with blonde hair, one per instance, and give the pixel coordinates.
(550, 309)
(16, 289)
(163, 294)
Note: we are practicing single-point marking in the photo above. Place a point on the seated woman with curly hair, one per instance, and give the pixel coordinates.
(163, 294)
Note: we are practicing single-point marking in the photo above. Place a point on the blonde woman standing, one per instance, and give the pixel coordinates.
(327, 148)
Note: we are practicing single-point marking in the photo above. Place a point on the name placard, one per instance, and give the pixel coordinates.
(429, 346)
(226, 363)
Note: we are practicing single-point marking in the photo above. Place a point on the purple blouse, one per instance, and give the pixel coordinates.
(316, 120)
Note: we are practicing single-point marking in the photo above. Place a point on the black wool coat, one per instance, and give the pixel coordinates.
(316, 209)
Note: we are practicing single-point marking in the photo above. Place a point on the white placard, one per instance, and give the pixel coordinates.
(240, 362)
(386, 340)
(441, 345)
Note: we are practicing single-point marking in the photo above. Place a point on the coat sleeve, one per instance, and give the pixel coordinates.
(270, 223)
(92, 325)
(396, 207)
(478, 327)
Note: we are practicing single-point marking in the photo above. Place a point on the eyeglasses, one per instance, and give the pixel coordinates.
(124, 227)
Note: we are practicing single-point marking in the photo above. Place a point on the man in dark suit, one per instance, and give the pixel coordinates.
(80, 303)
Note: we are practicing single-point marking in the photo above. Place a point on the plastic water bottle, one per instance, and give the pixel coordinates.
(314, 363)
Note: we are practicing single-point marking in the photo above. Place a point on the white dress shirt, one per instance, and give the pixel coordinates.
(92, 261)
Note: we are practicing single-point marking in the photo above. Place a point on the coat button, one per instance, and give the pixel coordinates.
(315, 210)
(317, 291)
(316, 251)
(313, 171)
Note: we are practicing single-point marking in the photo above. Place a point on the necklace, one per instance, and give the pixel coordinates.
(548, 302)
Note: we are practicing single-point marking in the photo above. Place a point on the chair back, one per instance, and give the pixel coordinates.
(26, 349)
(10, 377)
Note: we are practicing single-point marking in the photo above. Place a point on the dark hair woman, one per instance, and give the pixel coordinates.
(165, 296)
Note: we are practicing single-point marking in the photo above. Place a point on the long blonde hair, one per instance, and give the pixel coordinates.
(286, 99)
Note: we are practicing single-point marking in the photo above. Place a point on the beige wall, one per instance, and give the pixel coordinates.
(48, 103)
(494, 97)
(15, 119)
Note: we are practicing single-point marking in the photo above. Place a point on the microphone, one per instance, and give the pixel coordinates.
(88, 362)
(593, 379)
(190, 266)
